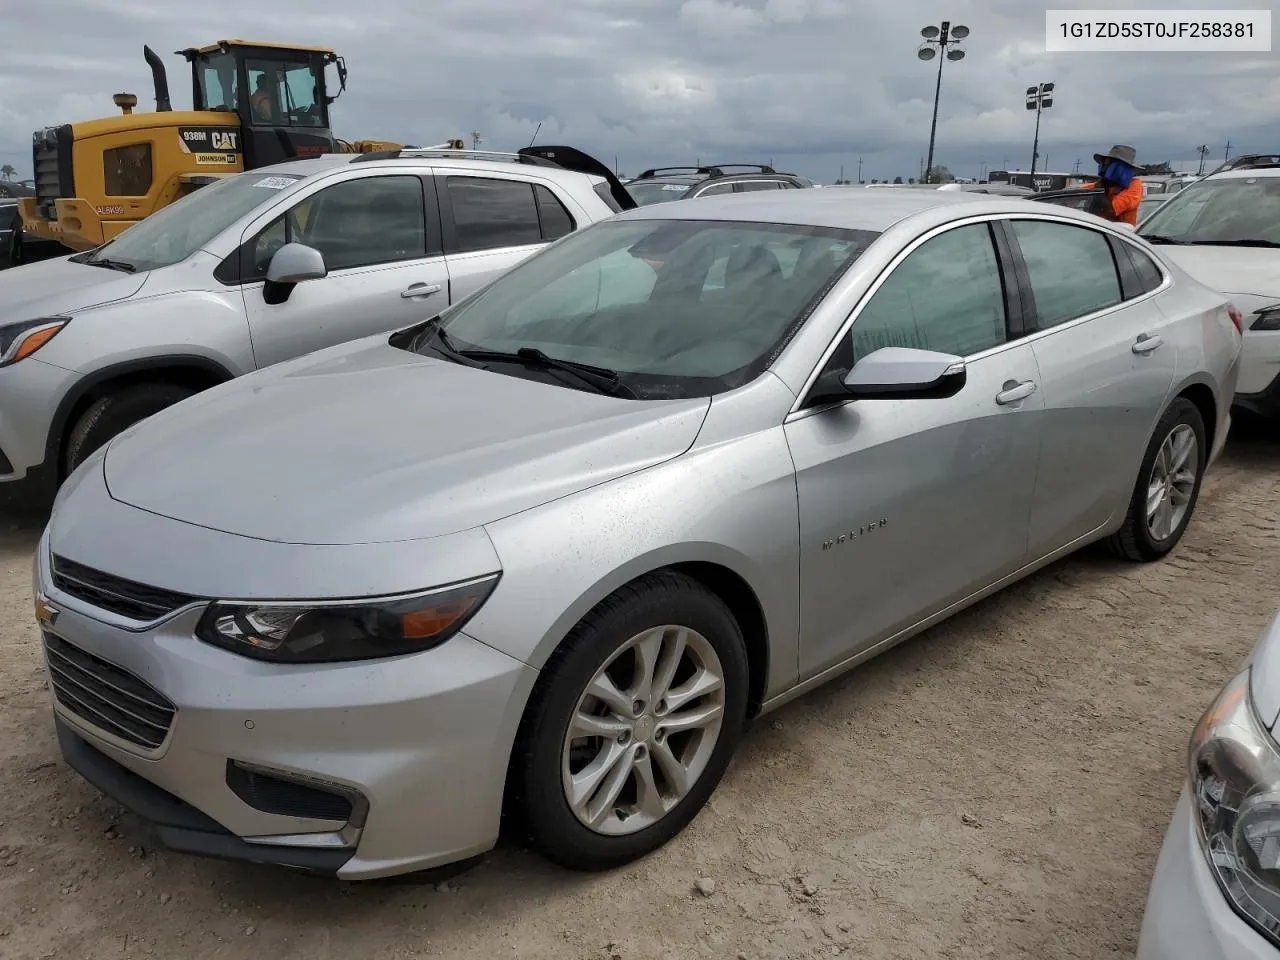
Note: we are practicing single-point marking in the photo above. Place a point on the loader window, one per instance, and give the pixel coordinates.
(218, 83)
(126, 171)
(285, 93)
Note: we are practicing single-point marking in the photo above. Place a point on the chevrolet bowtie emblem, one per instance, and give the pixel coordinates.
(46, 614)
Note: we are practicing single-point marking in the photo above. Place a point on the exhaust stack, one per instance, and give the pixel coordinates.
(159, 78)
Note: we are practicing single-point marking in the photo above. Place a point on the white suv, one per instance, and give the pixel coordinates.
(1225, 231)
(262, 267)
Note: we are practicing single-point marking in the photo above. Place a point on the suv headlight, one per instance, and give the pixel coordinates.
(21, 339)
(1235, 787)
(324, 632)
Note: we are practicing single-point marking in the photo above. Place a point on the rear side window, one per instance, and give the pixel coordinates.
(1149, 276)
(489, 213)
(748, 186)
(553, 217)
(1071, 269)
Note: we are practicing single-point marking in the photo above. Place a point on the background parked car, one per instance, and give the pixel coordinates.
(1225, 231)
(586, 520)
(15, 246)
(663, 184)
(258, 268)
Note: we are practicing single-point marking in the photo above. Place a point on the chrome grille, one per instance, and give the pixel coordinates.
(107, 696)
(137, 601)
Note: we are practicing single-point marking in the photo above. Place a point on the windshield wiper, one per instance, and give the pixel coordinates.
(599, 379)
(1233, 243)
(124, 266)
(436, 340)
(1156, 238)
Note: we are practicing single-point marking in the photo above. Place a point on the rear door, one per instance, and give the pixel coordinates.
(381, 243)
(493, 221)
(1106, 366)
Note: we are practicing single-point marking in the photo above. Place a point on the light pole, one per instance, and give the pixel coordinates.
(1038, 98)
(940, 37)
(1203, 150)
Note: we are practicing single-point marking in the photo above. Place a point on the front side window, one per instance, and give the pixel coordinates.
(284, 93)
(1071, 269)
(175, 232)
(639, 297)
(947, 295)
(1233, 211)
(356, 223)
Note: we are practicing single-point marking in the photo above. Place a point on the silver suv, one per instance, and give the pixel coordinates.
(262, 267)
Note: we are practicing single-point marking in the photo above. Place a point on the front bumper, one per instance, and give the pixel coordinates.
(419, 743)
(1187, 916)
(1263, 403)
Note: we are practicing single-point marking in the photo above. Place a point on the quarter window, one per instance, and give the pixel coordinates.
(1149, 275)
(489, 213)
(947, 295)
(1071, 269)
(357, 223)
(553, 217)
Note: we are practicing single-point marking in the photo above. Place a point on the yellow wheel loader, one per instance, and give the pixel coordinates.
(254, 104)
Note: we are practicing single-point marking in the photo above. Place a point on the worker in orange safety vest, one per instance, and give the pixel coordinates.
(1118, 177)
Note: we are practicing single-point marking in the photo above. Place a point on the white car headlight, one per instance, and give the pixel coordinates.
(1235, 786)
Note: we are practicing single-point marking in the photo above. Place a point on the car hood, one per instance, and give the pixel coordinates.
(61, 286)
(366, 443)
(1250, 271)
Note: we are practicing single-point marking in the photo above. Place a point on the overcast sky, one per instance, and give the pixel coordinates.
(810, 84)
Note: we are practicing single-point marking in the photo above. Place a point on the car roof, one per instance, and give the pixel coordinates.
(874, 210)
(1244, 173)
(327, 163)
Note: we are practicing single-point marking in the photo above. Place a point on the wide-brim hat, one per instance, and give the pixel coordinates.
(1121, 152)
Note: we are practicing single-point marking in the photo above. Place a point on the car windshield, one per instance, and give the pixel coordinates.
(173, 233)
(1232, 210)
(647, 193)
(673, 308)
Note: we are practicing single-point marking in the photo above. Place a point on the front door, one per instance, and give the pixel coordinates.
(386, 269)
(907, 506)
(1107, 364)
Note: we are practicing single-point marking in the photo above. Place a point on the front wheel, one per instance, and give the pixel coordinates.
(1168, 486)
(115, 413)
(633, 723)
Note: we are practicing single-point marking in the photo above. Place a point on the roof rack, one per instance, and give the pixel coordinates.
(1250, 161)
(452, 153)
(711, 171)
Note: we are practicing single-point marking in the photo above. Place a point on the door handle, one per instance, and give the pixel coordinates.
(1014, 391)
(1147, 343)
(415, 290)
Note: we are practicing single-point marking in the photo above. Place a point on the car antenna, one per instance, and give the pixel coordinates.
(535, 133)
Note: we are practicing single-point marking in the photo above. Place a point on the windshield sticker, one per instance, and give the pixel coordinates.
(276, 183)
(678, 187)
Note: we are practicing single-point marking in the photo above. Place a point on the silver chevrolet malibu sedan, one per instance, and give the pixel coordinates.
(545, 554)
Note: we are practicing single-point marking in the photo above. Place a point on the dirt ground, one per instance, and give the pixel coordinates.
(995, 788)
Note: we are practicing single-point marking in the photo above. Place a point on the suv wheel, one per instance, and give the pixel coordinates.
(117, 412)
(633, 723)
(1164, 498)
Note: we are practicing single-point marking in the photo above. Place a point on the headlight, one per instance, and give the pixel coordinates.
(1235, 785)
(323, 632)
(21, 339)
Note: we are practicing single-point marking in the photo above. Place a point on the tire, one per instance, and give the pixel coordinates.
(115, 413)
(1136, 540)
(543, 758)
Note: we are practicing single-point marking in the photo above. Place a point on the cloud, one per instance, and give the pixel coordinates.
(813, 84)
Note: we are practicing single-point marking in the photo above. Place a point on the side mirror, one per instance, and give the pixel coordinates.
(893, 373)
(290, 265)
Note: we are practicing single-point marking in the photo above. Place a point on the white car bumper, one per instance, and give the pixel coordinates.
(1187, 917)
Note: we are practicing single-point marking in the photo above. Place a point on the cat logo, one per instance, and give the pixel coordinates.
(224, 140)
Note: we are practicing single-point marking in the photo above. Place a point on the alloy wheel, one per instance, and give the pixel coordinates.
(1172, 482)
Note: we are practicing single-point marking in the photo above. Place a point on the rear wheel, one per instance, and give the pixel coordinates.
(117, 412)
(633, 723)
(1164, 498)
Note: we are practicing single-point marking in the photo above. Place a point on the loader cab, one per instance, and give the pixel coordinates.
(279, 93)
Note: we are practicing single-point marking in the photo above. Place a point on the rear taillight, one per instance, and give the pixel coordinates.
(1236, 317)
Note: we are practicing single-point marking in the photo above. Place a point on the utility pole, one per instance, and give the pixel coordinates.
(1039, 98)
(859, 169)
(1226, 154)
(1077, 165)
(475, 139)
(1203, 150)
(941, 37)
